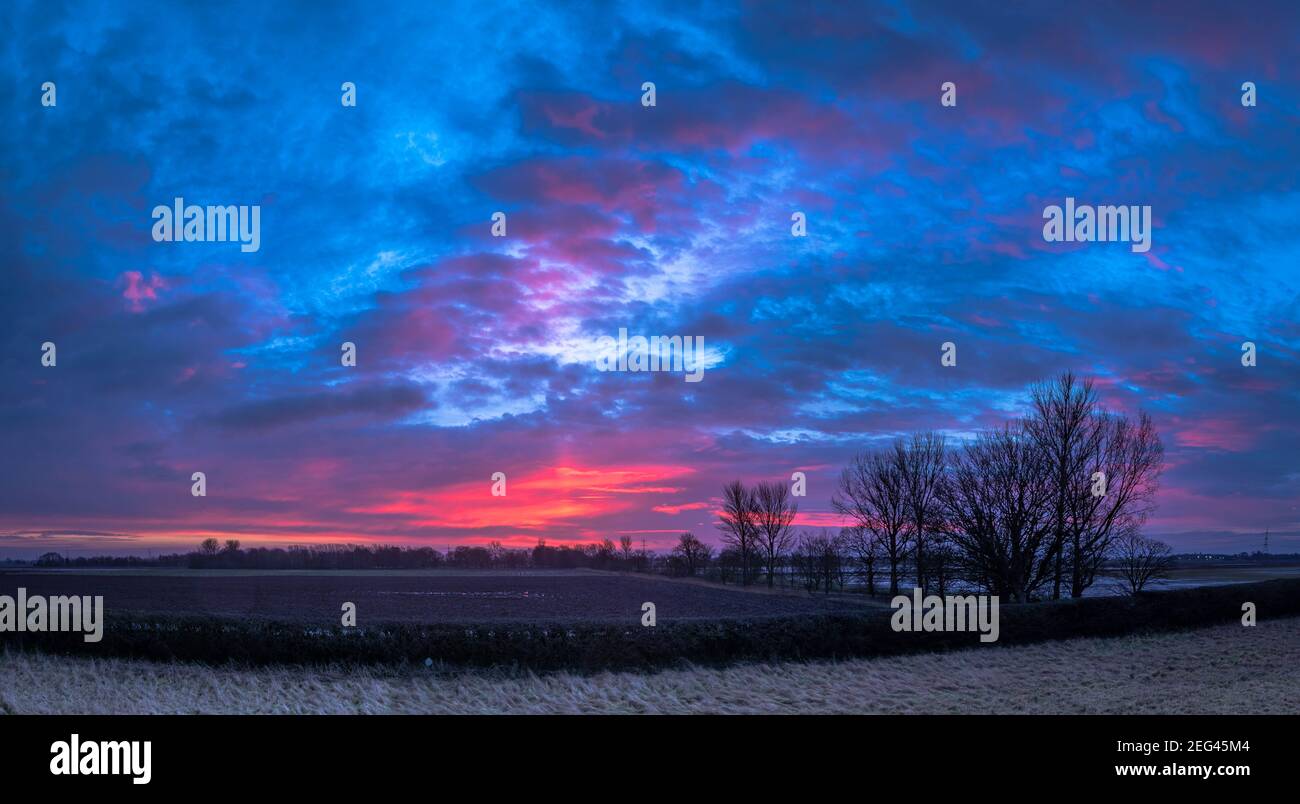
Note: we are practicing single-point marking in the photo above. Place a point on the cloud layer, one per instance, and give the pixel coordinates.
(475, 353)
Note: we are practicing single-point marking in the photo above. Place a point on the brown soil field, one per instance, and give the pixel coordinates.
(418, 597)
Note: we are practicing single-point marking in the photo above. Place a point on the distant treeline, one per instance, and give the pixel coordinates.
(214, 554)
(493, 557)
(1258, 557)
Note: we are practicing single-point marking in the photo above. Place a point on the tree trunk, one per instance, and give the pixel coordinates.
(1056, 582)
(920, 563)
(1076, 571)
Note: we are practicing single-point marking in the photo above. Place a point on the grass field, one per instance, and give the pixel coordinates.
(1223, 669)
(1192, 575)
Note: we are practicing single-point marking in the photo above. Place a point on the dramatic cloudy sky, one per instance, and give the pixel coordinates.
(475, 352)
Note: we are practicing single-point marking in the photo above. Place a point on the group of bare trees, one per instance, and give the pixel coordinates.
(1141, 560)
(1030, 509)
(893, 497)
(818, 561)
(756, 523)
(690, 554)
(1103, 469)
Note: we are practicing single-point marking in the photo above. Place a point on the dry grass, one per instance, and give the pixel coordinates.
(1225, 669)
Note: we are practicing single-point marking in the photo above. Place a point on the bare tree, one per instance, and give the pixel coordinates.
(1104, 471)
(1063, 427)
(922, 463)
(774, 510)
(872, 492)
(1141, 560)
(1120, 493)
(941, 565)
(805, 560)
(738, 525)
(728, 563)
(605, 552)
(693, 552)
(998, 504)
(832, 562)
(817, 559)
(625, 546)
(864, 547)
(209, 547)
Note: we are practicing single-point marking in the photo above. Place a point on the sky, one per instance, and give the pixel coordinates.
(475, 353)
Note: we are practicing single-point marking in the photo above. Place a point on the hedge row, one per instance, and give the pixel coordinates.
(596, 646)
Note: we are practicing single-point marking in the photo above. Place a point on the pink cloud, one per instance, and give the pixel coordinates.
(137, 290)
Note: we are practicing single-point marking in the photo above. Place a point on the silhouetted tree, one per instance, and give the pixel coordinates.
(807, 559)
(818, 560)
(774, 510)
(872, 492)
(606, 552)
(1128, 461)
(1141, 560)
(1062, 426)
(862, 544)
(694, 554)
(941, 565)
(922, 462)
(1087, 448)
(729, 564)
(998, 505)
(738, 526)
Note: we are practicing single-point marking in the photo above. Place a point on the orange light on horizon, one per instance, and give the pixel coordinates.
(558, 496)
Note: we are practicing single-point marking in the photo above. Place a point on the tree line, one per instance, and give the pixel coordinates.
(1029, 510)
(230, 554)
